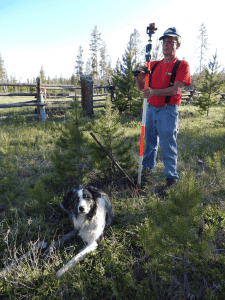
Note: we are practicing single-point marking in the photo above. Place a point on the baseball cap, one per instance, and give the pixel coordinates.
(170, 32)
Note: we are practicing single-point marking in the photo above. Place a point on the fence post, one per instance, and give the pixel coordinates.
(87, 94)
(40, 100)
(38, 80)
(42, 108)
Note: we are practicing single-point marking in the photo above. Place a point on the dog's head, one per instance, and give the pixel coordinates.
(81, 201)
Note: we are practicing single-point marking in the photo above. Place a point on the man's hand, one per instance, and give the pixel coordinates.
(140, 79)
(148, 92)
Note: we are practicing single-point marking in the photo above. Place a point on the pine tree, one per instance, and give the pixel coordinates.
(112, 136)
(70, 152)
(203, 40)
(73, 80)
(156, 54)
(209, 85)
(127, 93)
(22, 89)
(14, 80)
(79, 63)
(94, 48)
(42, 75)
(61, 79)
(118, 64)
(172, 227)
(134, 47)
(196, 79)
(3, 73)
(88, 67)
(109, 72)
(103, 62)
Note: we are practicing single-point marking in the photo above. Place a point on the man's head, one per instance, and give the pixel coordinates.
(171, 41)
(170, 45)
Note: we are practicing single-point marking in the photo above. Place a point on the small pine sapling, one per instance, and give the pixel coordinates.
(209, 86)
(172, 228)
(112, 136)
(71, 150)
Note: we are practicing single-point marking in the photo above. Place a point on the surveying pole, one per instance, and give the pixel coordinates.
(150, 30)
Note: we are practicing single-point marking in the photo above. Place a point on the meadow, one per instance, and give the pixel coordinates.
(119, 268)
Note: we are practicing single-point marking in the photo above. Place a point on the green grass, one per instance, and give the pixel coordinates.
(119, 268)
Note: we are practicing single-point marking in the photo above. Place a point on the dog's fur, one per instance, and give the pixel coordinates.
(90, 211)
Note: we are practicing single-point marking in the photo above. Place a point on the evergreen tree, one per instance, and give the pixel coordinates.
(118, 64)
(132, 48)
(94, 48)
(112, 136)
(22, 89)
(73, 80)
(109, 72)
(3, 74)
(79, 63)
(134, 45)
(196, 79)
(203, 45)
(173, 227)
(70, 149)
(209, 85)
(88, 67)
(10, 88)
(103, 62)
(42, 75)
(61, 79)
(127, 93)
(14, 80)
(156, 53)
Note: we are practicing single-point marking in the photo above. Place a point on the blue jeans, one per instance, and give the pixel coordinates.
(162, 126)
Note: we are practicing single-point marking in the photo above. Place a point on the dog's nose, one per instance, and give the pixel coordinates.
(81, 208)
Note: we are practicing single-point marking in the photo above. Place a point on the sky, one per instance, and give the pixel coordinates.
(49, 32)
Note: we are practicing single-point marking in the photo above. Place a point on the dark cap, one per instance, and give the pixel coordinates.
(170, 32)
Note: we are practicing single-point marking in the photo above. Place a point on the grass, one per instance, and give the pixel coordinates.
(119, 268)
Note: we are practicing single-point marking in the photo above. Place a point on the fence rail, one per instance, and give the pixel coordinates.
(17, 94)
(41, 105)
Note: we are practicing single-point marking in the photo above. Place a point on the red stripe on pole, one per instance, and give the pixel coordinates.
(147, 75)
(142, 140)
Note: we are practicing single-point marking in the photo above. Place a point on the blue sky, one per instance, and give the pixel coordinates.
(48, 33)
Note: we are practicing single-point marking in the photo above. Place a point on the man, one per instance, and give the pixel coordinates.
(162, 119)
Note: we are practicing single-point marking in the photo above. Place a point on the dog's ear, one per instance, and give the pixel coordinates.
(94, 191)
(66, 198)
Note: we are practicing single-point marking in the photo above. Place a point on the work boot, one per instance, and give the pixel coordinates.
(163, 190)
(170, 181)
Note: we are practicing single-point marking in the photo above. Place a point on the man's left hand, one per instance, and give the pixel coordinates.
(148, 92)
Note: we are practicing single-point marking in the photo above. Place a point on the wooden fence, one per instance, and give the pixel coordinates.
(42, 104)
(190, 97)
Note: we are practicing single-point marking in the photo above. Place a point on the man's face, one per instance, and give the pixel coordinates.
(169, 46)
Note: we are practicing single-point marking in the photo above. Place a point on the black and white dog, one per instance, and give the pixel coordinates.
(91, 211)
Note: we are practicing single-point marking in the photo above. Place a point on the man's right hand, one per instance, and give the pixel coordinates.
(140, 79)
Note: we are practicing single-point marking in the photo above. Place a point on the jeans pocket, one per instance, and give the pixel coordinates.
(173, 111)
